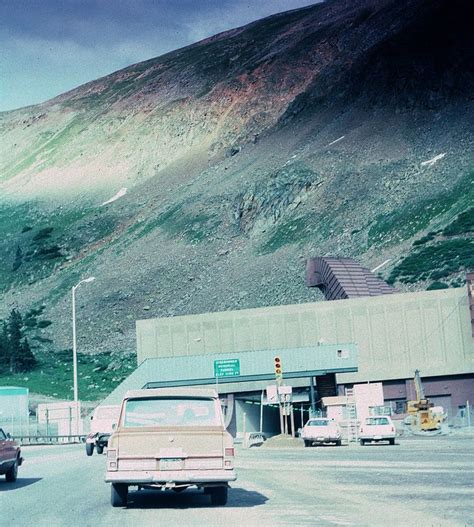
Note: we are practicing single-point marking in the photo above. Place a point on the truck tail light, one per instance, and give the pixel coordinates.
(112, 459)
(229, 457)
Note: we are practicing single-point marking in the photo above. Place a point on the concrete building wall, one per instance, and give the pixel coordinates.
(395, 334)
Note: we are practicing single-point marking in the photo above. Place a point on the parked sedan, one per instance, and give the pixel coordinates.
(377, 428)
(10, 456)
(320, 431)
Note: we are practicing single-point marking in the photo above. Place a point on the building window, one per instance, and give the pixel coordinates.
(399, 406)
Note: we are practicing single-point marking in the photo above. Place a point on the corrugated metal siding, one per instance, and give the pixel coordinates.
(340, 278)
(394, 333)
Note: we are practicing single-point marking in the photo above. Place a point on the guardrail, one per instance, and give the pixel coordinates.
(50, 439)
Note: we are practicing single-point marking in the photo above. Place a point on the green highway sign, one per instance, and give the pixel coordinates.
(227, 368)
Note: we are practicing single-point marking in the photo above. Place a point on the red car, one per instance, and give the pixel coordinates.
(10, 456)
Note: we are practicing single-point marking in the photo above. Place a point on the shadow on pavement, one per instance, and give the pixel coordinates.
(18, 484)
(379, 444)
(151, 499)
(328, 445)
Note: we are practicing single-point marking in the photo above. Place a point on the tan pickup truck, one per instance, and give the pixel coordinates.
(170, 438)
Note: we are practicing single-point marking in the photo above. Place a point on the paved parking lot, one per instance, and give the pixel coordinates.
(417, 482)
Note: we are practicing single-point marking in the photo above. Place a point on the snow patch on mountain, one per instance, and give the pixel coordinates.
(336, 140)
(119, 194)
(433, 160)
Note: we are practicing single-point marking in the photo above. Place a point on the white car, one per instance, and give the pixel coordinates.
(377, 428)
(102, 424)
(321, 430)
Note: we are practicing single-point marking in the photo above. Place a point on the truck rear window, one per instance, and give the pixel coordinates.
(318, 422)
(172, 411)
(377, 421)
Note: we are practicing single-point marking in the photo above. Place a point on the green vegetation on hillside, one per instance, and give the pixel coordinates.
(178, 223)
(440, 254)
(291, 231)
(28, 358)
(435, 261)
(463, 224)
(415, 216)
(53, 375)
(34, 242)
(15, 352)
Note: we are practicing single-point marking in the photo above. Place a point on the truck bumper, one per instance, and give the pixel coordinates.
(377, 438)
(139, 477)
(323, 439)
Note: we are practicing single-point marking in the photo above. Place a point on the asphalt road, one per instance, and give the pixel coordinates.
(417, 482)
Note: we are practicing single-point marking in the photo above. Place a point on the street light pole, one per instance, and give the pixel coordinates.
(74, 349)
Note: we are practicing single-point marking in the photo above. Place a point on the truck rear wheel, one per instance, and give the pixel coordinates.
(219, 495)
(89, 448)
(100, 449)
(118, 494)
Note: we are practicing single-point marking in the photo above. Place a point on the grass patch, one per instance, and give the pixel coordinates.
(54, 376)
(437, 285)
(287, 233)
(463, 224)
(30, 254)
(435, 261)
(176, 223)
(413, 217)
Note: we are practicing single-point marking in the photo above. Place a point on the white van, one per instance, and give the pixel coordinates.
(102, 423)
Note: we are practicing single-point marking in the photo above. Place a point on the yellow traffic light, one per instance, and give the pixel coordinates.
(278, 367)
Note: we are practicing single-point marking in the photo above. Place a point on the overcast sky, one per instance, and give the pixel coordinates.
(51, 46)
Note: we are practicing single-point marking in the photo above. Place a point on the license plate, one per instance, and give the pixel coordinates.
(320, 439)
(377, 437)
(171, 464)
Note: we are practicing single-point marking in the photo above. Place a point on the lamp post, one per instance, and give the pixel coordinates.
(74, 348)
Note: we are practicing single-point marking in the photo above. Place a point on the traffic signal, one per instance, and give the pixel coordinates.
(278, 368)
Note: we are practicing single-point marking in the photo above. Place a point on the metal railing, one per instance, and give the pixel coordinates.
(43, 439)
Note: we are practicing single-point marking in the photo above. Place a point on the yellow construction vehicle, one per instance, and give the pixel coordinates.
(423, 416)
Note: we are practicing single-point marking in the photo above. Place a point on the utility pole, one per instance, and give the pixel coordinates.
(74, 350)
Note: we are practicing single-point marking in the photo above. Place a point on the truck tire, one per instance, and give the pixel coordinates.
(362, 442)
(12, 472)
(307, 443)
(89, 449)
(391, 441)
(339, 442)
(219, 495)
(99, 449)
(118, 494)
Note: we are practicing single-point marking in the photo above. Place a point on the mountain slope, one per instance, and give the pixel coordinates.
(202, 179)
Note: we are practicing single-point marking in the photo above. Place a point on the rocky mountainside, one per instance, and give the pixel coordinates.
(201, 180)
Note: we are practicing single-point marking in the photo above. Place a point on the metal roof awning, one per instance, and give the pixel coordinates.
(249, 366)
